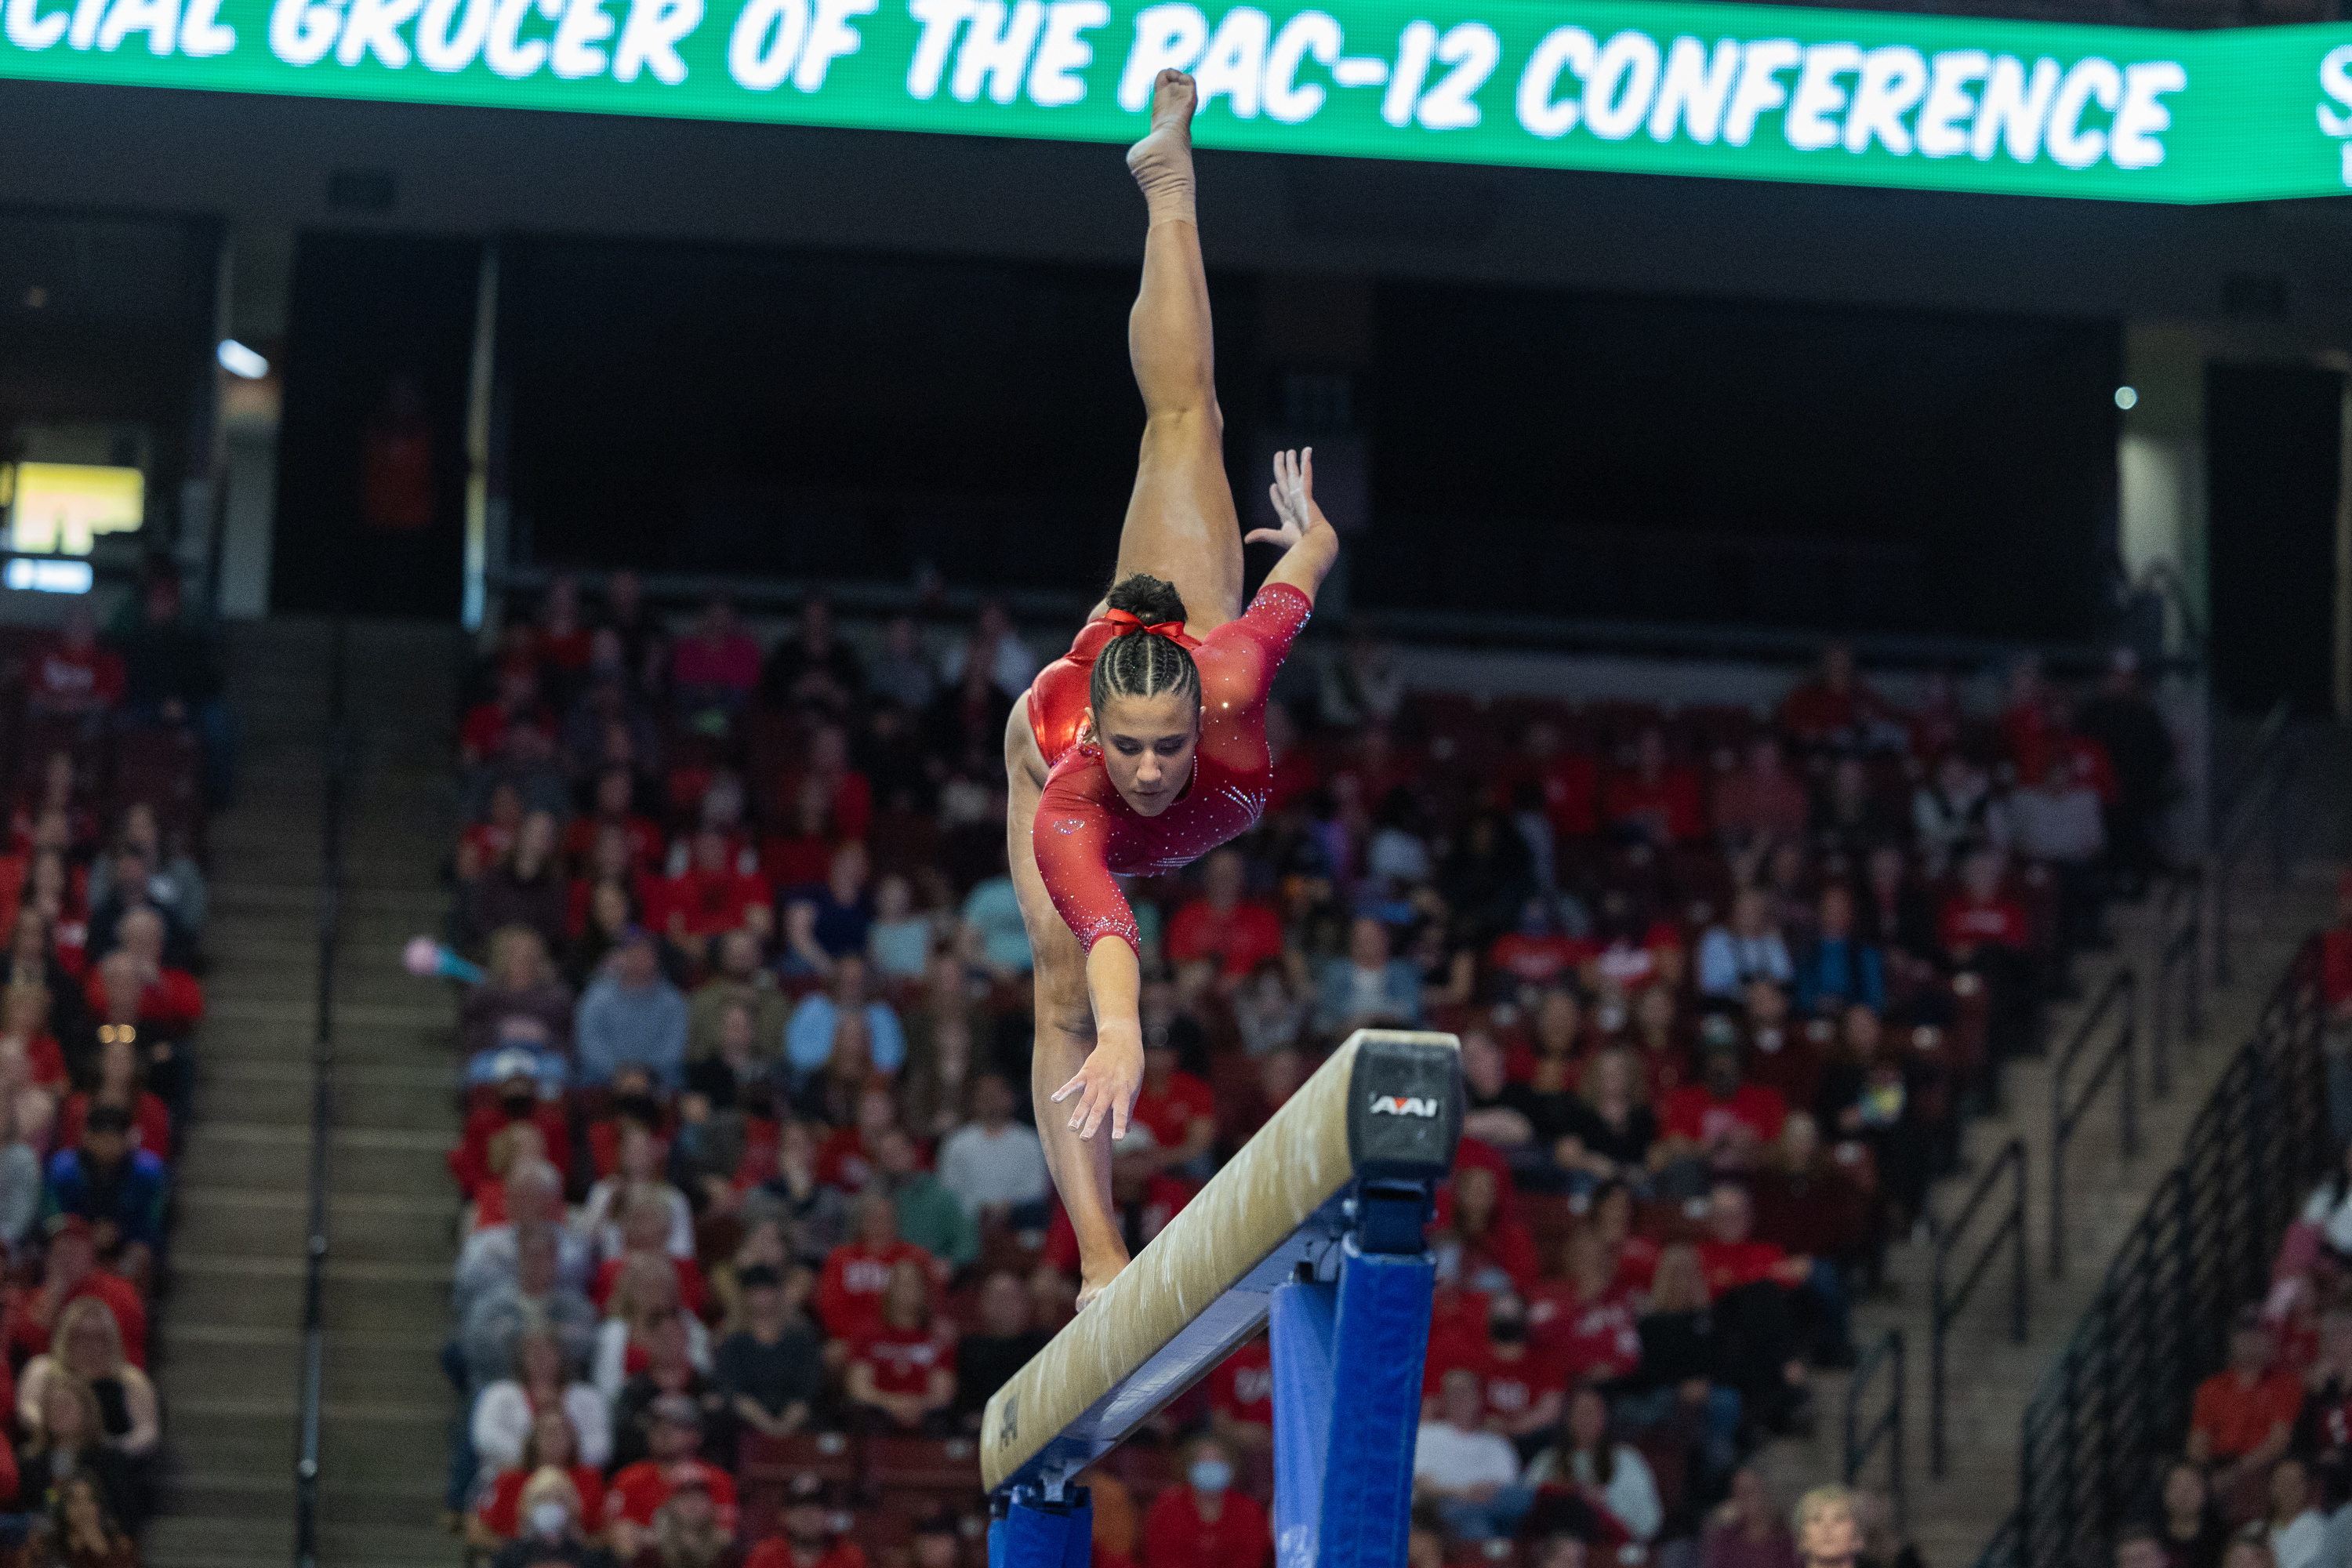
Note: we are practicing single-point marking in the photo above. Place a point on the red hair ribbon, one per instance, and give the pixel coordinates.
(1129, 625)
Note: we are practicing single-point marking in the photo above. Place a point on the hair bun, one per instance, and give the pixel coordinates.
(1148, 599)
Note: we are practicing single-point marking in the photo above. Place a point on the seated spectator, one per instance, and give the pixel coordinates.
(86, 1348)
(29, 1045)
(2189, 1529)
(1470, 1474)
(1689, 1361)
(549, 1443)
(1955, 813)
(69, 675)
(995, 937)
(1492, 1114)
(986, 1360)
(713, 670)
(1761, 803)
(726, 1092)
(1746, 948)
(118, 1189)
(771, 1370)
(832, 920)
(125, 879)
(1584, 1319)
(1657, 801)
(1180, 1109)
(674, 1441)
(534, 1294)
(993, 1164)
(612, 811)
(1567, 784)
(2243, 1416)
(1829, 1528)
(1734, 1261)
(68, 1441)
(898, 943)
(1491, 1250)
(122, 1085)
(1222, 926)
(1720, 1122)
(669, 1366)
(639, 1176)
(70, 1273)
(2058, 822)
(1848, 815)
(902, 672)
(1367, 988)
(687, 1533)
(645, 1303)
(805, 1537)
(507, 1412)
(857, 1272)
(524, 888)
(551, 1527)
(1205, 1522)
(930, 1216)
(813, 668)
(1609, 1128)
(23, 1120)
(171, 1002)
(632, 1016)
(1610, 1476)
(815, 1213)
(1809, 1201)
(1835, 711)
(1866, 1095)
(641, 1219)
(519, 982)
(1524, 1387)
(901, 1373)
(528, 1196)
(936, 1087)
(1536, 953)
(809, 1035)
(2297, 1527)
(1833, 966)
(1783, 1054)
(711, 895)
(490, 839)
(1748, 1530)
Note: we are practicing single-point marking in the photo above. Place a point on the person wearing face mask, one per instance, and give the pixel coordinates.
(1204, 1523)
(552, 1529)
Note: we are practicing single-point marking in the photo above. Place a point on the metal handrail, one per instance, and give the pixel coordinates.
(2122, 987)
(1948, 1303)
(335, 746)
(2179, 963)
(1862, 1446)
(2261, 781)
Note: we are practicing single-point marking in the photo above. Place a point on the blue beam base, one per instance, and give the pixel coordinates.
(1034, 1534)
(1346, 1408)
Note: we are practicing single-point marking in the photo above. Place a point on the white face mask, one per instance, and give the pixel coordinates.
(1210, 1475)
(548, 1519)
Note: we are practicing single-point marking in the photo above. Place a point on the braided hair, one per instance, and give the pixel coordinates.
(1141, 665)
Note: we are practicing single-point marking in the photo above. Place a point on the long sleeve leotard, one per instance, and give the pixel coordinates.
(1085, 835)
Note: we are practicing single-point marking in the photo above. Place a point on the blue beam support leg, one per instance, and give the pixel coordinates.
(1034, 1534)
(1346, 1407)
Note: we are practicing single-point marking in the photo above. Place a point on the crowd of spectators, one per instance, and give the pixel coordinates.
(122, 741)
(755, 1220)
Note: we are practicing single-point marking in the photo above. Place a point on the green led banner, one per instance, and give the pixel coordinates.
(1723, 91)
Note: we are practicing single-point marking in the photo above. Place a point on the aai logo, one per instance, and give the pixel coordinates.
(1403, 1105)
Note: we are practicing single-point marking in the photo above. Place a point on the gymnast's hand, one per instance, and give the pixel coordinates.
(1107, 1084)
(1294, 501)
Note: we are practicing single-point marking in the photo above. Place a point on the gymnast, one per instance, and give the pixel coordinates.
(1143, 748)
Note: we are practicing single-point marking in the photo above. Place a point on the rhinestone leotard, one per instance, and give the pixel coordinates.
(1085, 835)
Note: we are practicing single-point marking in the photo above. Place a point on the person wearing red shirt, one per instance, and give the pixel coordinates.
(1834, 708)
(171, 1002)
(552, 1442)
(1734, 1261)
(805, 1537)
(673, 1439)
(1720, 1120)
(1241, 1397)
(1764, 802)
(1537, 954)
(1179, 1110)
(712, 895)
(1656, 801)
(1204, 1523)
(70, 1272)
(616, 792)
(71, 672)
(1523, 1386)
(1237, 934)
(902, 1374)
(1570, 782)
(1587, 1322)
(118, 1085)
(483, 734)
(518, 1101)
(1493, 1250)
(857, 1274)
(2243, 1416)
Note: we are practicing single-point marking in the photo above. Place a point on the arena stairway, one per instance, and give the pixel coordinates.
(230, 1369)
(1990, 1379)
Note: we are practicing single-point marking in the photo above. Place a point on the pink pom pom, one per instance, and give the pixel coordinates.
(423, 957)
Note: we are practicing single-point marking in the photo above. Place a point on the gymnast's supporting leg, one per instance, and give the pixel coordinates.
(1181, 522)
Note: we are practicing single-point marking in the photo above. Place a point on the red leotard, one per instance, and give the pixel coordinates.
(1085, 834)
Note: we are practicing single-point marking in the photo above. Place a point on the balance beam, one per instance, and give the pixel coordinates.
(1347, 1167)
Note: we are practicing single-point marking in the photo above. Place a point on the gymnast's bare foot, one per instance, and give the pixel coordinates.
(1091, 1285)
(1163, 161)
